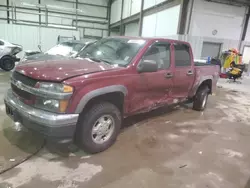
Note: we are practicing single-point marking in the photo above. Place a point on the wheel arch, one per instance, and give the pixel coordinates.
(207, 82)
(114, 94)
(201, 81)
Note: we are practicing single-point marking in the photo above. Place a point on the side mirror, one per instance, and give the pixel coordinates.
(147, 66)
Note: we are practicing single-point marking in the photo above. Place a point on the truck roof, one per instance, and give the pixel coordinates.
(150, 38)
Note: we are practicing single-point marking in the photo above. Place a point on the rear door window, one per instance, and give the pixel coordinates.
(182, 55)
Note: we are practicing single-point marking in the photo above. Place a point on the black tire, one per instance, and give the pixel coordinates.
(200, 99)
(88, 120)
(7, 63)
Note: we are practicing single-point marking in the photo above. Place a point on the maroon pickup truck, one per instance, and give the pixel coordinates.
(85, 99)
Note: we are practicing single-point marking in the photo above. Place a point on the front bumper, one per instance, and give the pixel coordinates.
(54, 126)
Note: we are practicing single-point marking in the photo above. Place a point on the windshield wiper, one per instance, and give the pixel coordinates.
(100, 60)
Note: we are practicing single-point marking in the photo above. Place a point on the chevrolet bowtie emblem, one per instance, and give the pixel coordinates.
(19, 85)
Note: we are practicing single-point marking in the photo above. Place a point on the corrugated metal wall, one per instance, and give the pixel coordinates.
(29, 36)
(90, 17)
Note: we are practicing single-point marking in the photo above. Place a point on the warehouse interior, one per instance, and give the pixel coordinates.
(173, 146)
(90, 20)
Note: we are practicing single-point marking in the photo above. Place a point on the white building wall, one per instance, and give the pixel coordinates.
(214, 22)
(135, 6)
(116, 11)
(150, 3)
(245, 46)
(130, 7)
(208, 16)
(127, 8)
(163, 23)
(248, 32)
(132, 29)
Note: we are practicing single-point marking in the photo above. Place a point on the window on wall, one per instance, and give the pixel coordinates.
(210, 49)
(182, 55)
(159, 53)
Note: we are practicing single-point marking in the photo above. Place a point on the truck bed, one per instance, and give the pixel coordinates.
(206, 71)
(202, 64)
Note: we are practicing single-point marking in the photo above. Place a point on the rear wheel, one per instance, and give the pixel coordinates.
(99, 127)
(200, 99)
(7, 63)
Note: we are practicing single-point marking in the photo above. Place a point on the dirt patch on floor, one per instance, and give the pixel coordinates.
(14, 146)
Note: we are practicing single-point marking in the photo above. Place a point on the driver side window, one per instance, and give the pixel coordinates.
(160, 53)
(1, 43)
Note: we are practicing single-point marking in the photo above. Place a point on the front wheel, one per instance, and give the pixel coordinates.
(200, 99)
(7, 63)
(98, 128)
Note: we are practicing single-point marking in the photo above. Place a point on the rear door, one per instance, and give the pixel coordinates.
(160, 83)
(184, 70)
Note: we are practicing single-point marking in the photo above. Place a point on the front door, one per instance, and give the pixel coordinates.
(184, 71)
(159, 84)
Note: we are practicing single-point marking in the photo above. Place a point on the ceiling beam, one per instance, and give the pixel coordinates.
(81, 3)
(232, 2)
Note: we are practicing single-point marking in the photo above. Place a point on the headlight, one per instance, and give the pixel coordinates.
(55, 87)
(53, 104)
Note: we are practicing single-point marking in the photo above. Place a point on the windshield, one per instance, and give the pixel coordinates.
(66, 49)
(117, 51)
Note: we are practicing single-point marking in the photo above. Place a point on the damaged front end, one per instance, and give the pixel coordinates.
(8, 52)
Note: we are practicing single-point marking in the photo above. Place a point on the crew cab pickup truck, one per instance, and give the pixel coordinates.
(85, 99)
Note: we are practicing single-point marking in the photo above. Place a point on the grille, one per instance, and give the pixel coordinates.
(23, 94)
(24, 79)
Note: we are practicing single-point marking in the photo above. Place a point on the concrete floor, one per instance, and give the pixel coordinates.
(173, 148)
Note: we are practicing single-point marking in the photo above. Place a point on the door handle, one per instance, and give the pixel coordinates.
(189, 73)
(168, 75)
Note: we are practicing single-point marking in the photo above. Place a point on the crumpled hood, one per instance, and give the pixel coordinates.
(58, 70)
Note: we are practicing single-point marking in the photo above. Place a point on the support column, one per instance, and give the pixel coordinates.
(244, 30)
(141, 18)
(183, 17)
(39, 10)
(121, 26)
(109, 15)
(8, 12)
